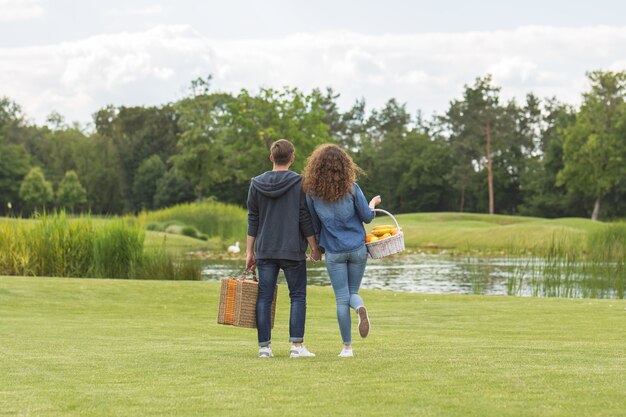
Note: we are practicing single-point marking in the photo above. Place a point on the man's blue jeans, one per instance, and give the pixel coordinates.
(346, 273)
(295, 273)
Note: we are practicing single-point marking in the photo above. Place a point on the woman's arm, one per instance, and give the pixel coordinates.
(364, 209)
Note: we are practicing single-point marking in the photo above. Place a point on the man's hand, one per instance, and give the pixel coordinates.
(315, 255)
(250, 261)
(250, 257)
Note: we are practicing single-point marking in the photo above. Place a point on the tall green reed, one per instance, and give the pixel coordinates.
(61, 247)
(606, 272)
(118, 249)
(156, 264)
(57, 245)
(563, 269)
(14, 249)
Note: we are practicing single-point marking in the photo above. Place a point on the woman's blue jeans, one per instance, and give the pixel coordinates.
(346, 273)
(295, 273)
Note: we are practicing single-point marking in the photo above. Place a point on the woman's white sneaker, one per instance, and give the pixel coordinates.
(346, 353)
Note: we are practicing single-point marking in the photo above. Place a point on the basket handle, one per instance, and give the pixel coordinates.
(390, 215)
(245, 273)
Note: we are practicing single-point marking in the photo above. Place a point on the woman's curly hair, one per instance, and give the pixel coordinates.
(329, 173)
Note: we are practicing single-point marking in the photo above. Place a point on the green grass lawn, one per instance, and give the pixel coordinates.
(127, 348)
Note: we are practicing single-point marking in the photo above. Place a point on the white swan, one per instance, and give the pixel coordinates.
(234, 248)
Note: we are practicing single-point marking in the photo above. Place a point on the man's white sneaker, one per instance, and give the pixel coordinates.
(364, 321)
(265, 352)
(346, 353)
(300, 352)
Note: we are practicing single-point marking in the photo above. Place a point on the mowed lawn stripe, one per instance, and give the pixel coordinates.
(117, 347)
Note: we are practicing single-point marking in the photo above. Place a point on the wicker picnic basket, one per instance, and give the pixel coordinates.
(388, 246)
(238, 301)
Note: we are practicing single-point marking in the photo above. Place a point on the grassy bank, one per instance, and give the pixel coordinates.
(468, 232)
(178, 245)
(115, 347)
(454, 232)
(206, 220)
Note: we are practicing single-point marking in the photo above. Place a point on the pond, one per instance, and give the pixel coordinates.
(441, 274)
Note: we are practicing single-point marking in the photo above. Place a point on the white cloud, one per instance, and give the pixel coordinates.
(78, 78)
(141, 11)
(11, 10)
(424, 70)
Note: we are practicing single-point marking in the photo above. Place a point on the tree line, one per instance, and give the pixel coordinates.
(540, 157)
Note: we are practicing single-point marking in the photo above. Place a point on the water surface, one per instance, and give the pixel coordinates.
(441, 274)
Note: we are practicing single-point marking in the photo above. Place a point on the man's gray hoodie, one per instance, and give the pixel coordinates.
(278, 216)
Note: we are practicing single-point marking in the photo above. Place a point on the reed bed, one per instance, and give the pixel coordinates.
(562, 270)
(57, 245)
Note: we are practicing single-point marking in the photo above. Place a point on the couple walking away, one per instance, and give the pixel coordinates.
(324, 209)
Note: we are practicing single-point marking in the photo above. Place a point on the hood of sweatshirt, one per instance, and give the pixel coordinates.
(273, 184)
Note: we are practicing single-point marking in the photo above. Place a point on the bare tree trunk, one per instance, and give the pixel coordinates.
(489, 170)
(596, 210)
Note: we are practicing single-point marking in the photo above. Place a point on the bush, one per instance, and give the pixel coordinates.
(190, 231)
(155, 227)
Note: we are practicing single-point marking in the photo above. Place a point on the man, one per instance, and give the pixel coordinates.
(279, 227)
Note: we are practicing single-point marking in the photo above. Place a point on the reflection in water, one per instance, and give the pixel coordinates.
(439, 274)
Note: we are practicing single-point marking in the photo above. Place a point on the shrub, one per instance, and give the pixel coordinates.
(190, 231)
(155, 226)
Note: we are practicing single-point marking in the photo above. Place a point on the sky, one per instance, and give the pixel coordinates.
(75, 57)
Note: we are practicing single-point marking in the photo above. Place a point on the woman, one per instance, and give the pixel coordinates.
(338, 210)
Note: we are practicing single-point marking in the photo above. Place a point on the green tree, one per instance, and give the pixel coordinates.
(98, 167)
(594, 150)
(137, 133)
(35, 191)
(71, 195)
(491, 144)
(225, 140)
(148, 174)
(402, 161)
(56, 121)
(172, 189)
(14, 165)
(66, 152)
(542, 197)
(380, 151)
(10, 113)
(477, 113)
(470, 122)
(200, 146)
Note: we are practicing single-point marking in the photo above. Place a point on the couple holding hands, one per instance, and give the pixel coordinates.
(325, 209)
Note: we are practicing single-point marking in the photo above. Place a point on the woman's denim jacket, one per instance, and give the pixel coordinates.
(339, 224)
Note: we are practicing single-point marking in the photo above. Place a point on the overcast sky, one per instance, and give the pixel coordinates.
(75, 57)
